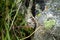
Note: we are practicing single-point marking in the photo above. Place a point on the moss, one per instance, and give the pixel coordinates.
(49, 24)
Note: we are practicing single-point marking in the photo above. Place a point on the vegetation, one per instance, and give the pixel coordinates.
(13, 23)
(12, 20)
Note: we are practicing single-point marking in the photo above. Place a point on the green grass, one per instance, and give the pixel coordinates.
(11, 16)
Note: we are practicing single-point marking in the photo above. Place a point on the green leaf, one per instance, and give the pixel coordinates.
(49, 24)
